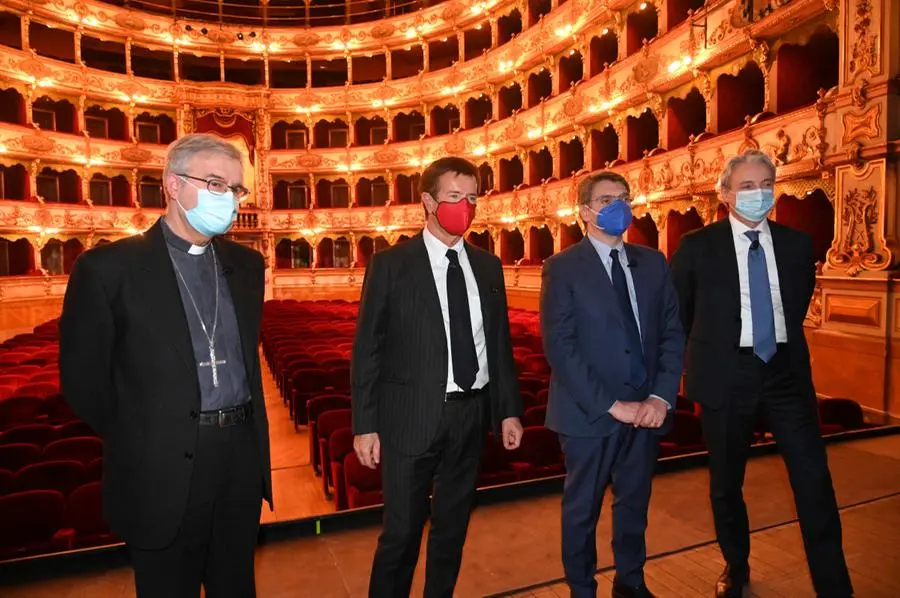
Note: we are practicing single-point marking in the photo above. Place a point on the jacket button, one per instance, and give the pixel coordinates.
(194, 414)
(189, 456)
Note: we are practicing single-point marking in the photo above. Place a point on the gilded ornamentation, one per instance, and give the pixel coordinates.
(131, 21)
(749, 142)
(452, 11)
(665, 179)
(814, 313)
(861, 125)
(513, 131)
(807, 145)
(37, 143)
(386, 156)
(135, 154)
(857, 250)
(305, 39)
(801, 188)
(572, 107)
(220, 36)
(864, 51)
(779, 152)
(858, 93)
(382, 30)
(646, 69)
(35, 68)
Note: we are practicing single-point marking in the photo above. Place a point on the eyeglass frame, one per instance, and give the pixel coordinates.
(239, 191)
(604, 200)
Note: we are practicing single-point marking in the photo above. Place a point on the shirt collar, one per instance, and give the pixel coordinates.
(739, 228)
(603, 249)
(178, 243)
(437, 251)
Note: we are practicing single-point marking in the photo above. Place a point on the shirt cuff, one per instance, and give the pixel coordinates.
(668, 404)
(611, 407)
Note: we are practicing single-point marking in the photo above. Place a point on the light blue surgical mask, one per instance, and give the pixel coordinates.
(754, 204)
(213, 215)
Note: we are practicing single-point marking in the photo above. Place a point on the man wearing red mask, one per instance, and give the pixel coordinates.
(432, 370)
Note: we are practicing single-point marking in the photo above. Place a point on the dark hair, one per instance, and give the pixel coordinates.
(586, 186)
(428, 183)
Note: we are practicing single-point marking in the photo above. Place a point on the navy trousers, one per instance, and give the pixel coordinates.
(626, 459)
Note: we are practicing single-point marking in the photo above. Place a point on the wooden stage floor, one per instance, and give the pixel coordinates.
(514, 547)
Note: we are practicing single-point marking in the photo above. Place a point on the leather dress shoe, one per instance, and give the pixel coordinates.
(620, 590)
(732, 582)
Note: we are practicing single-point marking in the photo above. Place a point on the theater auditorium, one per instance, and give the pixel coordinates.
(336, 107)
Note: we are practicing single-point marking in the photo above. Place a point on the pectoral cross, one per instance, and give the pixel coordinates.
(212, 363)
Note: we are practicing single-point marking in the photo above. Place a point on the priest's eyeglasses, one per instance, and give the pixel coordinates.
(218, 186)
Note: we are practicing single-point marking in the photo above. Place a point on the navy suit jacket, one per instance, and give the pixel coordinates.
(584, 337)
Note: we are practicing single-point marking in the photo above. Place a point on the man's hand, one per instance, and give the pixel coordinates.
(651, 413)
(368, 449)
(511, 431)
(624, 412)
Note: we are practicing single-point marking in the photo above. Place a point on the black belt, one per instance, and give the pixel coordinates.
(749, 350)
(462, 395)
(223, 418)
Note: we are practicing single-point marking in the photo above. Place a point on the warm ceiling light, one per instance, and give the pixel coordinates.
(605, 31)
(563, 212)
(564, 31)
(643, 6)
(480, 150)
(534, 133)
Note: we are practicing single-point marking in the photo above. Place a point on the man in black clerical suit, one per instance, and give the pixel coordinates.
(158, 353)
(432, 368)
(744, 286)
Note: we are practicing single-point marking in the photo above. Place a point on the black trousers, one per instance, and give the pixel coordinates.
(451, 463)
(790, 408)
(214, 546)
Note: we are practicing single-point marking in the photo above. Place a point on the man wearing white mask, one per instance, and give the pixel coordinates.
(744, 285)
(158, 341)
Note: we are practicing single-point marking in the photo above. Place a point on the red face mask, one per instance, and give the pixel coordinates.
(455, 218)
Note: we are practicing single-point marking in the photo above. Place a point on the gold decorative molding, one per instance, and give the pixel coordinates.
(861, 125)
(857, 310)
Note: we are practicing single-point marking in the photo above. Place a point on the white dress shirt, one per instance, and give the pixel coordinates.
(604, 251)
(437, 256)
(742, 249)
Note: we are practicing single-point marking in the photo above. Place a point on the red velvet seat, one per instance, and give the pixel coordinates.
(529, 399)
(16, 456)
(62, 476)
(495, 465)
(32, 523)
(57, 410)
(305, 385)
(539, 455)
(363, 484)
(75, 429)
(686, 435)
(84, 515)
(39, 434)
(537, 365)
(328, 423)
(534, 416)
(532, 384)
(845, 413)
(83, 450)
(340, 444)
(19, 410)
(315, 407)
(38, 390)
(6, 481)
(93, 471)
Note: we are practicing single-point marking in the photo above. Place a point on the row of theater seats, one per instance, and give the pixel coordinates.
(50, 462)
(307, 346)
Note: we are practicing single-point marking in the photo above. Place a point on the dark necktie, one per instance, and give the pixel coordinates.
(462, 342)
(633, 336)
(761, 310)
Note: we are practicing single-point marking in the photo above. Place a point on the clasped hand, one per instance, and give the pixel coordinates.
(649, 413)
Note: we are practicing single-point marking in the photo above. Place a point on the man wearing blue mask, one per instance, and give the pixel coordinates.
(158, 340)
(744, 286)
(612, 335)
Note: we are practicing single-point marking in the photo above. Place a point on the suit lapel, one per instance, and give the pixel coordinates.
(781, 262)
(725, 249)
(595, 274)
(241, 288)
(164, 296)
(640, 279)
(485, 290)
(420, 270)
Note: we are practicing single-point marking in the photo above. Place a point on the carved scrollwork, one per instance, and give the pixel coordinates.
(857, 250)
(814, 313)
(864, 50)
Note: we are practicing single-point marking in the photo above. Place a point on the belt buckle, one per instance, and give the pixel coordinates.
(220, 419)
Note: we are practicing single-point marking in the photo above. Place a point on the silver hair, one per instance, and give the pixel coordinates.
(180, 152)
(748, 157)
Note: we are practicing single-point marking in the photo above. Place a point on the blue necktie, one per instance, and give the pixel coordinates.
(760, 300)
(633, 336)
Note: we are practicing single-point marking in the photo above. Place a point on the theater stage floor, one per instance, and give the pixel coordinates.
(513, 547)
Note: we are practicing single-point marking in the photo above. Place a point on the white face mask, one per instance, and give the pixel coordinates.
(754, 204)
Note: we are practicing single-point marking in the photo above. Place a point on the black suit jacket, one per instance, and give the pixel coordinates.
(127, 368)
(705, 272)
(399, 368)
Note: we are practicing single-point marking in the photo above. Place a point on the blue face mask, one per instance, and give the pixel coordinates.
(615, 218)
(754, 204)
(213, 215)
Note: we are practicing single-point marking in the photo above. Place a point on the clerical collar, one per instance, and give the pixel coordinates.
(180, 244)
